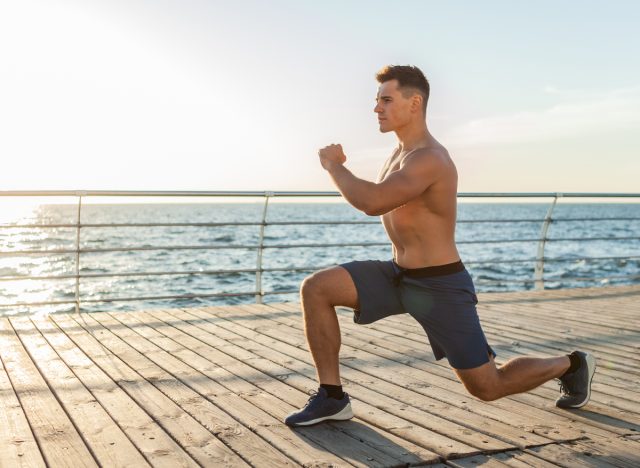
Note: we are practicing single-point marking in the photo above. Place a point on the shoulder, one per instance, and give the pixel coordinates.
(432, 157)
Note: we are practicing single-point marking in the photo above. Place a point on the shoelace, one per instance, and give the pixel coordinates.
(313, 393)
(563, 388)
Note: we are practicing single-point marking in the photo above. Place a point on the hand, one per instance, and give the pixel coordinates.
(331, 155)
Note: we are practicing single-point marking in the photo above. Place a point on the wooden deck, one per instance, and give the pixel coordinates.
(210, 387)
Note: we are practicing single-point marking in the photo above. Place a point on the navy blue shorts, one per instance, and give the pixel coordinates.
(444, 303)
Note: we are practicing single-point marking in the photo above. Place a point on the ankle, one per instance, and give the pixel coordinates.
(574, 363)
(333, 391)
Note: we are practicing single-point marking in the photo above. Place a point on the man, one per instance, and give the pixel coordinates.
(416, 196)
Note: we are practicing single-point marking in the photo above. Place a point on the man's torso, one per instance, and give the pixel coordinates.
(423, 230)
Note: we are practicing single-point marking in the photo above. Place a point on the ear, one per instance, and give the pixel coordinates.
(416, 103)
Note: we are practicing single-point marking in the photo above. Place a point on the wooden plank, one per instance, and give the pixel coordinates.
(362, 441)
(398, 405)
(547, 313)
(549, 295)
(195, 439)
(188, 388)
(442, 385)
(408, 356)
(408, 341)
(606, 341)
(567, 455)
(404, 403)
(574, 311)
(18, 446)
(108, 444)
(297, 397)
(304, 451)
(519, 324)
(602, 386)
(478, 460)
(621, 451)
(413, 413)
(520, 459)
(547, 392)
(597, 452)
(607, 377)
(152, 441)
(60, 443)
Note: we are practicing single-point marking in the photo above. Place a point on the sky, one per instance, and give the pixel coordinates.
(219, 95)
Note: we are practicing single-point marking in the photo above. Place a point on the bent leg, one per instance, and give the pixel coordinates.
(320, 293)
(518, 375)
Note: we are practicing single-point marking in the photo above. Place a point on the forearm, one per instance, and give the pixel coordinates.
(358, 192)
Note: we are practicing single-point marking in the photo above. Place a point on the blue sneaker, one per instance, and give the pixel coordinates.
(575, 388)
(321, 408)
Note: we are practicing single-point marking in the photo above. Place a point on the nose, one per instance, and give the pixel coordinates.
(377, 108)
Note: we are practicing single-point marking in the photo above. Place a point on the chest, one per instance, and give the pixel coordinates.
(391, 165)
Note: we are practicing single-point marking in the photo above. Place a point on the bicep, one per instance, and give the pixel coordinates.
(407, 183)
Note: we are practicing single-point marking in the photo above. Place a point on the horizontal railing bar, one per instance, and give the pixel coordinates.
(184, 247)
(568, 259)
(268, 223)
(547, 195)
(29, 304)
(590, 239)
(285, 223)
(161, 193)
(284, 246)
(119, 225)
(586, 278)
(218, 193)
(556, 280)
(270, 270)
(127, 249)
(594, 219)
(158, 273)
(182, 296)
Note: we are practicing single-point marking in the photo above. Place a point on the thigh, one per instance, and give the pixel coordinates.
(335, 285)
(445, 306)
(378, 296)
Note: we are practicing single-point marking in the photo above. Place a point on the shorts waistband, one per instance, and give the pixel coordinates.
(437, 270)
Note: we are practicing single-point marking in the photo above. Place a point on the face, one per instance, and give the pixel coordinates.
(393, 109)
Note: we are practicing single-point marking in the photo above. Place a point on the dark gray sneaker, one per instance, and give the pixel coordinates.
(321, 408)
(575, 388)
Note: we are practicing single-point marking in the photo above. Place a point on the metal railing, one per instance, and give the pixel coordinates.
(540, 260)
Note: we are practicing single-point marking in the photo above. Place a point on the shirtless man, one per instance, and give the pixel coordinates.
(416, 196)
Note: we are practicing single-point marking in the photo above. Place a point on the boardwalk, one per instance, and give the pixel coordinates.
(210, 387)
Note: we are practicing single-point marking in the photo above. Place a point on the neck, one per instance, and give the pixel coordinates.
(413, 136)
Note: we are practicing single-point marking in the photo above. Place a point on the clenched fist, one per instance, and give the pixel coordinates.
(331, 155)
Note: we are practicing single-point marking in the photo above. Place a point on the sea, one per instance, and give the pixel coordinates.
(588, 246)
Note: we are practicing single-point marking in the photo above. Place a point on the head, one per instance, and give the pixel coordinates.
(402, 96)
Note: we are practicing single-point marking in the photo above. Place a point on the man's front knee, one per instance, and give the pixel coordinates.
(311, 286)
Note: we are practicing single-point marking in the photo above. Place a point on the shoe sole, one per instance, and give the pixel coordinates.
(344, 414)
(591, 366)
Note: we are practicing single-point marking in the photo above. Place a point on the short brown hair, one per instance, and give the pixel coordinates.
(411, 80)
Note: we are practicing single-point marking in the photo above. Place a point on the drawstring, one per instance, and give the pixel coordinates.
(397, 278)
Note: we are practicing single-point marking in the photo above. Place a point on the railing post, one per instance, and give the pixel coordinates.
(78, 225)
(539, 270)
(260, 247)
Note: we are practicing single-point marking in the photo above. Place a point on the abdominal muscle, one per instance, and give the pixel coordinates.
(420, 237)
